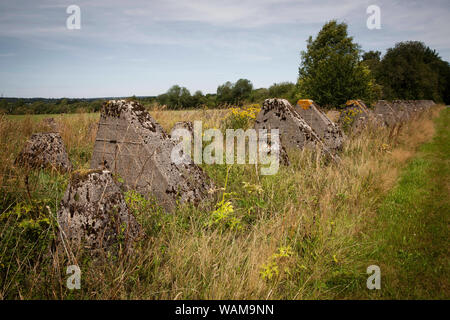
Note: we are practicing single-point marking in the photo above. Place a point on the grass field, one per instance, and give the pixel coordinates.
(167, 119)
(308, 232)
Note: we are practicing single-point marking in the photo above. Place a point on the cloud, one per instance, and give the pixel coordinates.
(168, 22)
(243, 13)
(194, 42)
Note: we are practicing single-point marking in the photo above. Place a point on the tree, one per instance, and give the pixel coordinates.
(176, 98)
(284, 90)
(198, 99)
(372, 59)
(210, 100)
(234, 93)
(259, 95)
(3, 106)
(331, 72)
(241, 90)
(162, 99)
(96, 105)
(224, 93)
(412, 70)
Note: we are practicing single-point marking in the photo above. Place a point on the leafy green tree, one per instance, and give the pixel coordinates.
(372, 59)
(224, 93)
(234, 93)
(96, 105)
(411, 70)
(3, 106)
(210, 100)
(241, 90)
(176, 98)
(331, 71)
(259, 95)
(284, 90)
(179, 97)
(198, 99)
(162, 99)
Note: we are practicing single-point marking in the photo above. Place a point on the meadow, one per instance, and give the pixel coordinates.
(308, 232)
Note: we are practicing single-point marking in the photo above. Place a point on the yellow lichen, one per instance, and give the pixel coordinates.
(305, 104)
(356, 103)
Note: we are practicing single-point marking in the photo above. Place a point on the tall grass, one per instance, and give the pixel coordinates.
(298, 236)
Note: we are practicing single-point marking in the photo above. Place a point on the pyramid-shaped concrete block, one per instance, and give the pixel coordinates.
(327, 130)
(400, 110)
(135, 147)
(45, 150)
(93, 212)
(410, 108)
(422, 105)
(404, 108)
(293, 130)
(385, 111)
(355, 116)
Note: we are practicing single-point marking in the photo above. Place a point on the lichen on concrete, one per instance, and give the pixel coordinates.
(93, 212)
(45, 150)
(294, 132)
(355, 116)
(133, 145)
(326, 129)
(397, 111)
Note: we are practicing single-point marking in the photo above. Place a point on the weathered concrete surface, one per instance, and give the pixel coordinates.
(45, 150)
(284, 157)
(398, 111)
(405, 109)
(94, 213)
(412, 107)
(294, 131)
(355, 116)
(282, 152)
(424, 104)
(187, 125)
(134, 146)
(327, 130)
(188, 141)
(384, 111)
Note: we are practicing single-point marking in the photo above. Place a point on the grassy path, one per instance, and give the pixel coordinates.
(411, 235)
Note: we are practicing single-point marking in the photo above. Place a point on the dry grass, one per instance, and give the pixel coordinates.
(333, 115)
(318, 211)
(209, 118)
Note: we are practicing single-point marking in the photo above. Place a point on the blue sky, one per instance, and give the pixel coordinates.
(138, 47)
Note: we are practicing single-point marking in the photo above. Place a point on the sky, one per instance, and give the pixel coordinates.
(142, 48)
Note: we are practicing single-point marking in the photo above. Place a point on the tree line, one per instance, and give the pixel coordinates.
(176, 98)
(48, 106)
(333, 69)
